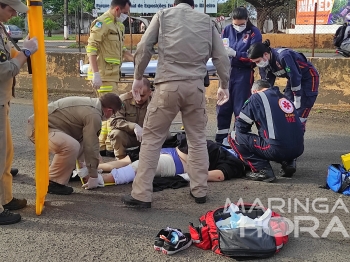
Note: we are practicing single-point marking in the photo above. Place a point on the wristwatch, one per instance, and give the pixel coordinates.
(26, 52)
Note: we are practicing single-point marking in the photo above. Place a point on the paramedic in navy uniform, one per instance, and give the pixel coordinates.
(303, 78)
(241, 34)
(280, 134)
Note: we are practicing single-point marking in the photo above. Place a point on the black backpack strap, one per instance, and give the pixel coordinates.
(344, 185)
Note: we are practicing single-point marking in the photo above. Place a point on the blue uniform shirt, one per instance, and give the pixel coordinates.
(240, 42)
(292, 65)
(275, 117)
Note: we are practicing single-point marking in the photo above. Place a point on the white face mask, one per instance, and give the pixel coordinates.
(122, 17)
(262, 63)
(239, 28)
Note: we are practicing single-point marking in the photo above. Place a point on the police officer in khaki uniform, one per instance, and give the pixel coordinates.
(186, 40)
(10, 65)
(74, 127)
(127, 123)
(105, 51)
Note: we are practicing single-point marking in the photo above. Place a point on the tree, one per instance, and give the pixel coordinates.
(265, 8)
(50, 25)
(18, 21)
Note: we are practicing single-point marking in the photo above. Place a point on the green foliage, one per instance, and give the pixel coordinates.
(18, 21)
(50, 25)
(57, 6)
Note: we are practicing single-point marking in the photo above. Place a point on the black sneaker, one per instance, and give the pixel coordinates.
(132, 202)
(8, 218)
(103, 152)
(14, 171)
(266, 175)
(159, 239)
(199, 200)
(58, 189)
(175, 242)
(288, 168)
(15, 204)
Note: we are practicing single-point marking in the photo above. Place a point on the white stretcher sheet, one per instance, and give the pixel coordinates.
(127, 68)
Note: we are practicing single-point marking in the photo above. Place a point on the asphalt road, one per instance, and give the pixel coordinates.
(95, 226)
(63, 47)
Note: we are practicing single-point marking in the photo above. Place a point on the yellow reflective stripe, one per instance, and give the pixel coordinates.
(105, 89)
(108, 20)
(90, 75)
(112, 61)
(90, 49)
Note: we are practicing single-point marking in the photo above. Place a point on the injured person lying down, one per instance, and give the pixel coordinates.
(223, 165)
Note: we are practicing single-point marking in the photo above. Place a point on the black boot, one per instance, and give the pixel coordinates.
(58, 189)
(288, 168)
(266, 174)
(130, 201)
(14, 171)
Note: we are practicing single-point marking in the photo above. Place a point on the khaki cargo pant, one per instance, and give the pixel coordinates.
(121, 140)
(169, 98)
(66, 151)
(6, 156)
(105, 143)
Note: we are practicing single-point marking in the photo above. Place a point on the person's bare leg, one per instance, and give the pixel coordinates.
(108, 178)
(107, 167)
(216, 176)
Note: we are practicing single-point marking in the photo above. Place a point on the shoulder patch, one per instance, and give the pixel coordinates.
(3, 56)
(286, 105)
(287, 69)
(98, 24)
(246, 102)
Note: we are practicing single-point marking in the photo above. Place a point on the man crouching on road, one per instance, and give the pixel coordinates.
(126, 125)
(74, 127)
(280, 133)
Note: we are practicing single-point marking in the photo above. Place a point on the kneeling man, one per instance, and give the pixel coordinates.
(74, 128)
(280, 134)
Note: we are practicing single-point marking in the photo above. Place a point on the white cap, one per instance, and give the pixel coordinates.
(16, 4)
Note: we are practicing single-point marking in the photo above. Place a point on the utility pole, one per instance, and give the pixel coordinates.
(65, 18)
(82, 20)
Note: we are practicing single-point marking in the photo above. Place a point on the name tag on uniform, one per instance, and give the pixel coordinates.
(280, 72)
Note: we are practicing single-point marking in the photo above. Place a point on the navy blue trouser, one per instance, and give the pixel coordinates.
(241, 81)
(256, 152)
(309, 92)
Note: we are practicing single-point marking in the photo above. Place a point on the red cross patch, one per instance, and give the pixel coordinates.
(286, 105)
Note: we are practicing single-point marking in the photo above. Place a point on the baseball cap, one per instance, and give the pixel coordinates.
(16, 4)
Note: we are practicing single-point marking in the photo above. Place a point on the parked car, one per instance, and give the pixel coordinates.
(15, 32)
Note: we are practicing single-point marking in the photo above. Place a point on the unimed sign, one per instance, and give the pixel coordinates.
(152, 6)
(328, 11)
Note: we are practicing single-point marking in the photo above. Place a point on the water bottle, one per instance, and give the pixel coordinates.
(174, 238)
(234, 219)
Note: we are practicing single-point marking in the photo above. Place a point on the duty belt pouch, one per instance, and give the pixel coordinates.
(206, 80)
(338, 179)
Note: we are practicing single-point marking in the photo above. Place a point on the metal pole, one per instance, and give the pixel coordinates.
(130, 31)
(314, 32)
(82, 19)
(205, 6)
(79, 35)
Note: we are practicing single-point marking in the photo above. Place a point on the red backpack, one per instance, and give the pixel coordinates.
(240, 242)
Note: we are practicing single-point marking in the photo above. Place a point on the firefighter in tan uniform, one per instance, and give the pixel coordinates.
(10, 65)
(186, 40)
(127, 123)
(106, 51)
(74, 127)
